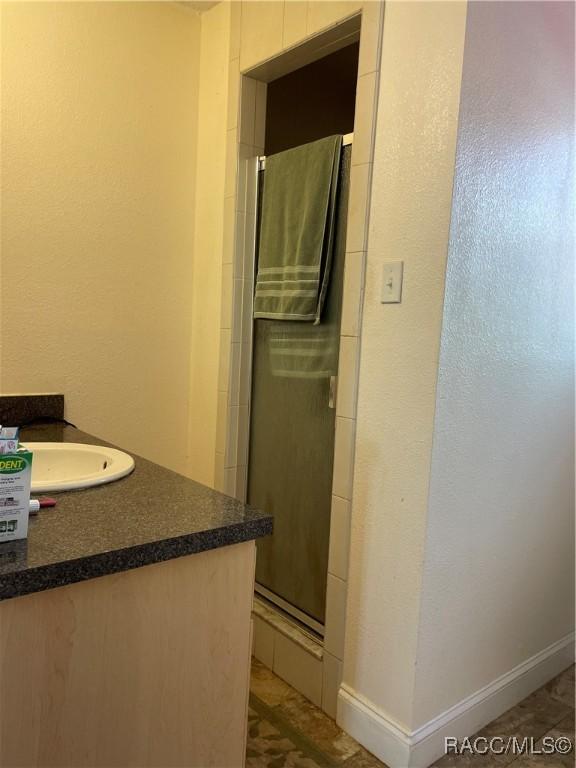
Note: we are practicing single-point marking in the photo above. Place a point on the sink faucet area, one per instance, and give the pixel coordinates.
(72, 466)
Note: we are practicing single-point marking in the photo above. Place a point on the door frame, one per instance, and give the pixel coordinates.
(245, 142)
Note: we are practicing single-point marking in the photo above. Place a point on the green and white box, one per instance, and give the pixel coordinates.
(15, 479)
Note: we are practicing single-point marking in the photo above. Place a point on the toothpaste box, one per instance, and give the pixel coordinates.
(8, 439)
(15, 478)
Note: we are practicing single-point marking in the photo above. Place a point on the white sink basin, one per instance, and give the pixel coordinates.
(68, 466)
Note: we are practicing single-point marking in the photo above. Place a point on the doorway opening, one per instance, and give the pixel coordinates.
(292, 412)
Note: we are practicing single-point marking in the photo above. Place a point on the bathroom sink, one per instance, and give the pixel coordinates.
(69, 466)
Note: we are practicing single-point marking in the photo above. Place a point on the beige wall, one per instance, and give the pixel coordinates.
(461, 580)
(98, 169)
(498, 581)
(208, 240)
(409, 220)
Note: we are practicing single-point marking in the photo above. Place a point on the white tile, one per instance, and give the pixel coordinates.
(247, 151)
(260, 119)
(247, 110)
(352, 295)
(239, 237)
(298, 668)
(221, 421)
(295, 18)
(224, 359)
(249, 245)
(233, 93)
(229, 231)
(251, 171)
(261, 32)
(245, 374)
(231, 444)
(247, 310)
(234, 375)
(347, 377)
(263, 648)
(343, 457)
(237, 298)
(243, 433)
(370, 34)
(364, 119)
(219, 472)
(358, 208)
(339, 538)
(241, 480)
(230, 481)
(242, 177)
(335, 616)
(246, 168)
(226, 307)
(326, 13)
(236, 444)
(331, 679)
(231, 163)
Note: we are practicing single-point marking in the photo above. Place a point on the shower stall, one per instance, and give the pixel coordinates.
(291, 448)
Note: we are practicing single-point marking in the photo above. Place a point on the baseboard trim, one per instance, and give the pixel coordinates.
(399, 747)
(381, 735)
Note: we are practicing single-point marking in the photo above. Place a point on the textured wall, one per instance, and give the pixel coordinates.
(409, 220)
(208, 240)
(98, 165)
(499, 574)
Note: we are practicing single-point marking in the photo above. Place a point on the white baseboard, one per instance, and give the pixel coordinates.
(398, 747)
(385, 738)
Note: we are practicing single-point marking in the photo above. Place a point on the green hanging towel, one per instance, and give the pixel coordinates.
(297, 231)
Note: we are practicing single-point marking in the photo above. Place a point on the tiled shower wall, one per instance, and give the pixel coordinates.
(261, 31)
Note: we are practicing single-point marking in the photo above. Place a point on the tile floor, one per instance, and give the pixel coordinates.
(286, 731)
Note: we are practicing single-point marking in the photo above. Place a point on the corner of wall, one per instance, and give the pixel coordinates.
(208, 244)
(422, 52)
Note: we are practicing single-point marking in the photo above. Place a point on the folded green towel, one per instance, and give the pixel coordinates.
(302, 351)
(297, 231)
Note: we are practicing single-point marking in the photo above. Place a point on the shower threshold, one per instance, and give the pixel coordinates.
(300, 619)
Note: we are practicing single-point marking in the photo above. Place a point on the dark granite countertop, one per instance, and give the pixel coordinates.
(152, 515)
